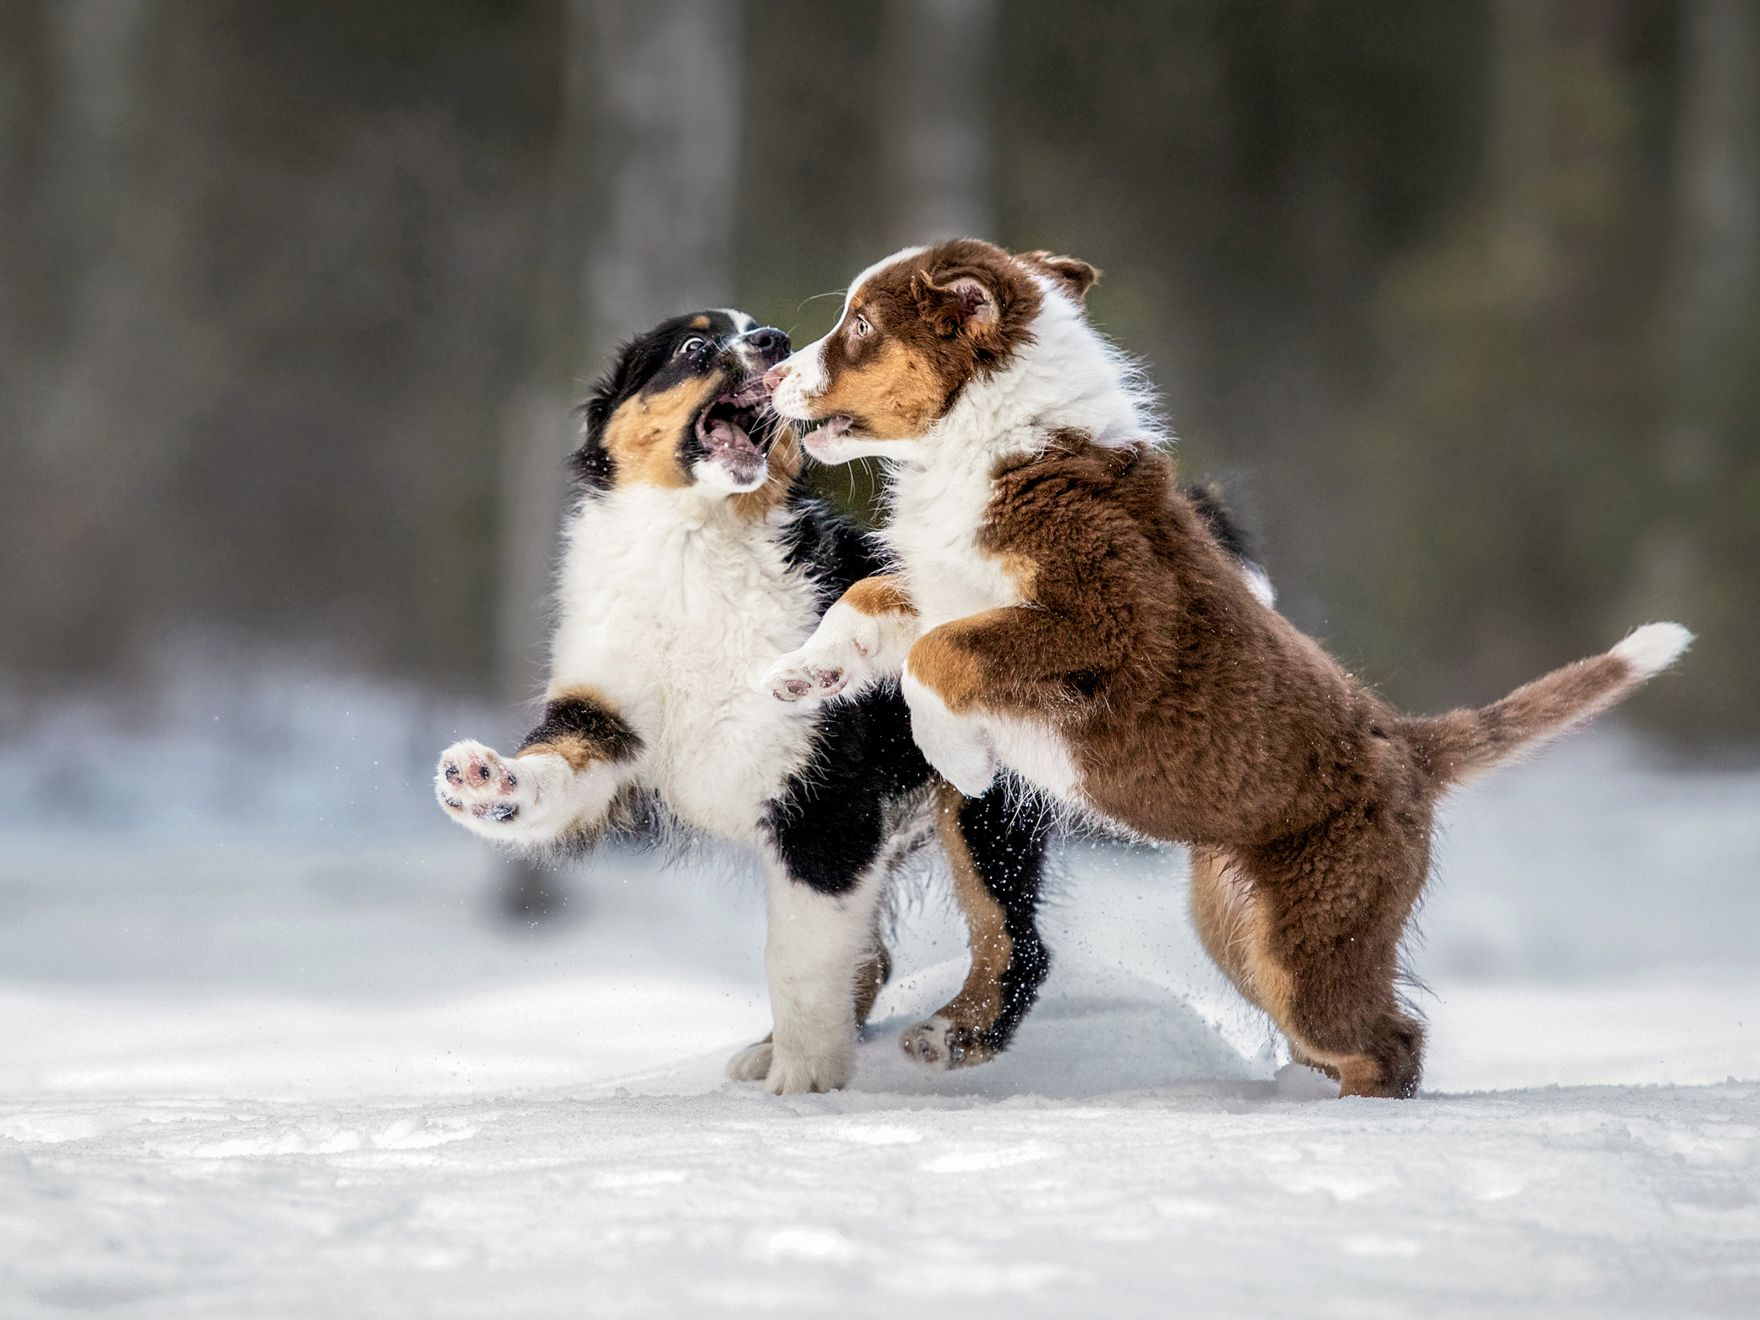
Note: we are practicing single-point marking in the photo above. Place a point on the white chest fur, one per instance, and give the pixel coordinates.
(671, 607)
(937, 513)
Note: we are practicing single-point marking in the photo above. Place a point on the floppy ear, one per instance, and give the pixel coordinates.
(1075, 275)
(633, 361)
(960, 301)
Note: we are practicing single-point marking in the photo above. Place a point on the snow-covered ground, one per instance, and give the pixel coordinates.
(279, 1074)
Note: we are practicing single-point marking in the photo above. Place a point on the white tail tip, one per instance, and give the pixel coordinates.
(1654, 647)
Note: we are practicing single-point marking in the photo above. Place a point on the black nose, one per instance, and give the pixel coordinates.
(770, 344)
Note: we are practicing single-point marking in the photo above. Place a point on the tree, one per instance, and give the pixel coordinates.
(937, 124)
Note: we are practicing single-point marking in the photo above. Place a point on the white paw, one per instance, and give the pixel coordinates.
(796, 678)
(752, 1064)
(794, 1074)
(957, 747)
(477, 787)
(959, 752)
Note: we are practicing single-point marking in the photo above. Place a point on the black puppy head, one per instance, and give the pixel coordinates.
(683, 406)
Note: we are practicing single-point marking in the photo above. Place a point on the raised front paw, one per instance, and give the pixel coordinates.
(956, 746)
(474, 784)
(801, 676)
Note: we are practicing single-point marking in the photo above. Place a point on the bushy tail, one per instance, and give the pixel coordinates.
(1456, 746)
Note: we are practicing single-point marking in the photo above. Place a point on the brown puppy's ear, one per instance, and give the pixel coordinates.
(959, 301)
(1075, 275)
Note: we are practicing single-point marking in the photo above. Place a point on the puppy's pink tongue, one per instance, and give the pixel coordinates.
(721, 434)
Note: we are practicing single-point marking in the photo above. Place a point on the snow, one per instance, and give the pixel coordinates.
(267, 1073)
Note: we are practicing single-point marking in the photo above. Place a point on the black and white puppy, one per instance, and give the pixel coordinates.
(692, 557)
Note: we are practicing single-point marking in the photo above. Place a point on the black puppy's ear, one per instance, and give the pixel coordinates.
(634, 362)
(1072, 273)
(631, 365)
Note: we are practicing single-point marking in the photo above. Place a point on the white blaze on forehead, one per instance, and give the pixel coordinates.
(807, 365)
(742, 323)
(885, 263)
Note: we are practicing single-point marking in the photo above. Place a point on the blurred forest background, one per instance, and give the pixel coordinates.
(1460, 300)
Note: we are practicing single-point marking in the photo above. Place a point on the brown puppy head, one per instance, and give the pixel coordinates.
(684, 406)
(917, 329)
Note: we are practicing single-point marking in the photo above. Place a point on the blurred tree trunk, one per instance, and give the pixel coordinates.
(1518, 156)
(1708, 347)
(645, 185)
(936, 132)
(937, 150)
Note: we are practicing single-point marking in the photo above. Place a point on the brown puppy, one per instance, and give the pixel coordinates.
(1061, 610)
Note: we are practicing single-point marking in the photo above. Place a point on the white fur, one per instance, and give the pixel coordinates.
(815, 943)
(1036, 753)
(1654, 647)
(958, 747)
(1259, 582)
(530, 800)
(848, 652)
(671, 607)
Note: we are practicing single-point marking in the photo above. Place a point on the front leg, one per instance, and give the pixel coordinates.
(818, 946)
(862, 640)
(829, 861)
(559, 785)
(1020, 661)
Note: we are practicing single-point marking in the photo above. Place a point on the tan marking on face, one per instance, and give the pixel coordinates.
(643, 435)
(978, 1005)
(893, 392)
(700, 322)
(784, 467)
(878, 595)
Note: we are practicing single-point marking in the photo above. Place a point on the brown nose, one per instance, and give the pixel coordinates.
(774, 377)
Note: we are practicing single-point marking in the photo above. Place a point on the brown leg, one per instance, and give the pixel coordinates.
(870, 976)
(995, 848)
(1321, 956)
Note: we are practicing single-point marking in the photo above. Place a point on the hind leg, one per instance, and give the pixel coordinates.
(1230, 924)
(995, 848)
(1311, 935)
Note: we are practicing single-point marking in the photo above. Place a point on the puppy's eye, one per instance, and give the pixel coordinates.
(862, 328)
(691, 347)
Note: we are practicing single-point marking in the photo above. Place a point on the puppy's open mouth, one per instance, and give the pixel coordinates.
(825, 428)
(733, 431)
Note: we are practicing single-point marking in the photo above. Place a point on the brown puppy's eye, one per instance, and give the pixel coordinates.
(690, 346)
(862, 328)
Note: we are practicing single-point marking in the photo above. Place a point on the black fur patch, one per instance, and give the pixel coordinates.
(829, 821)
(1007, 832)
(1220, 519)
(591, 723)
(829, 546)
